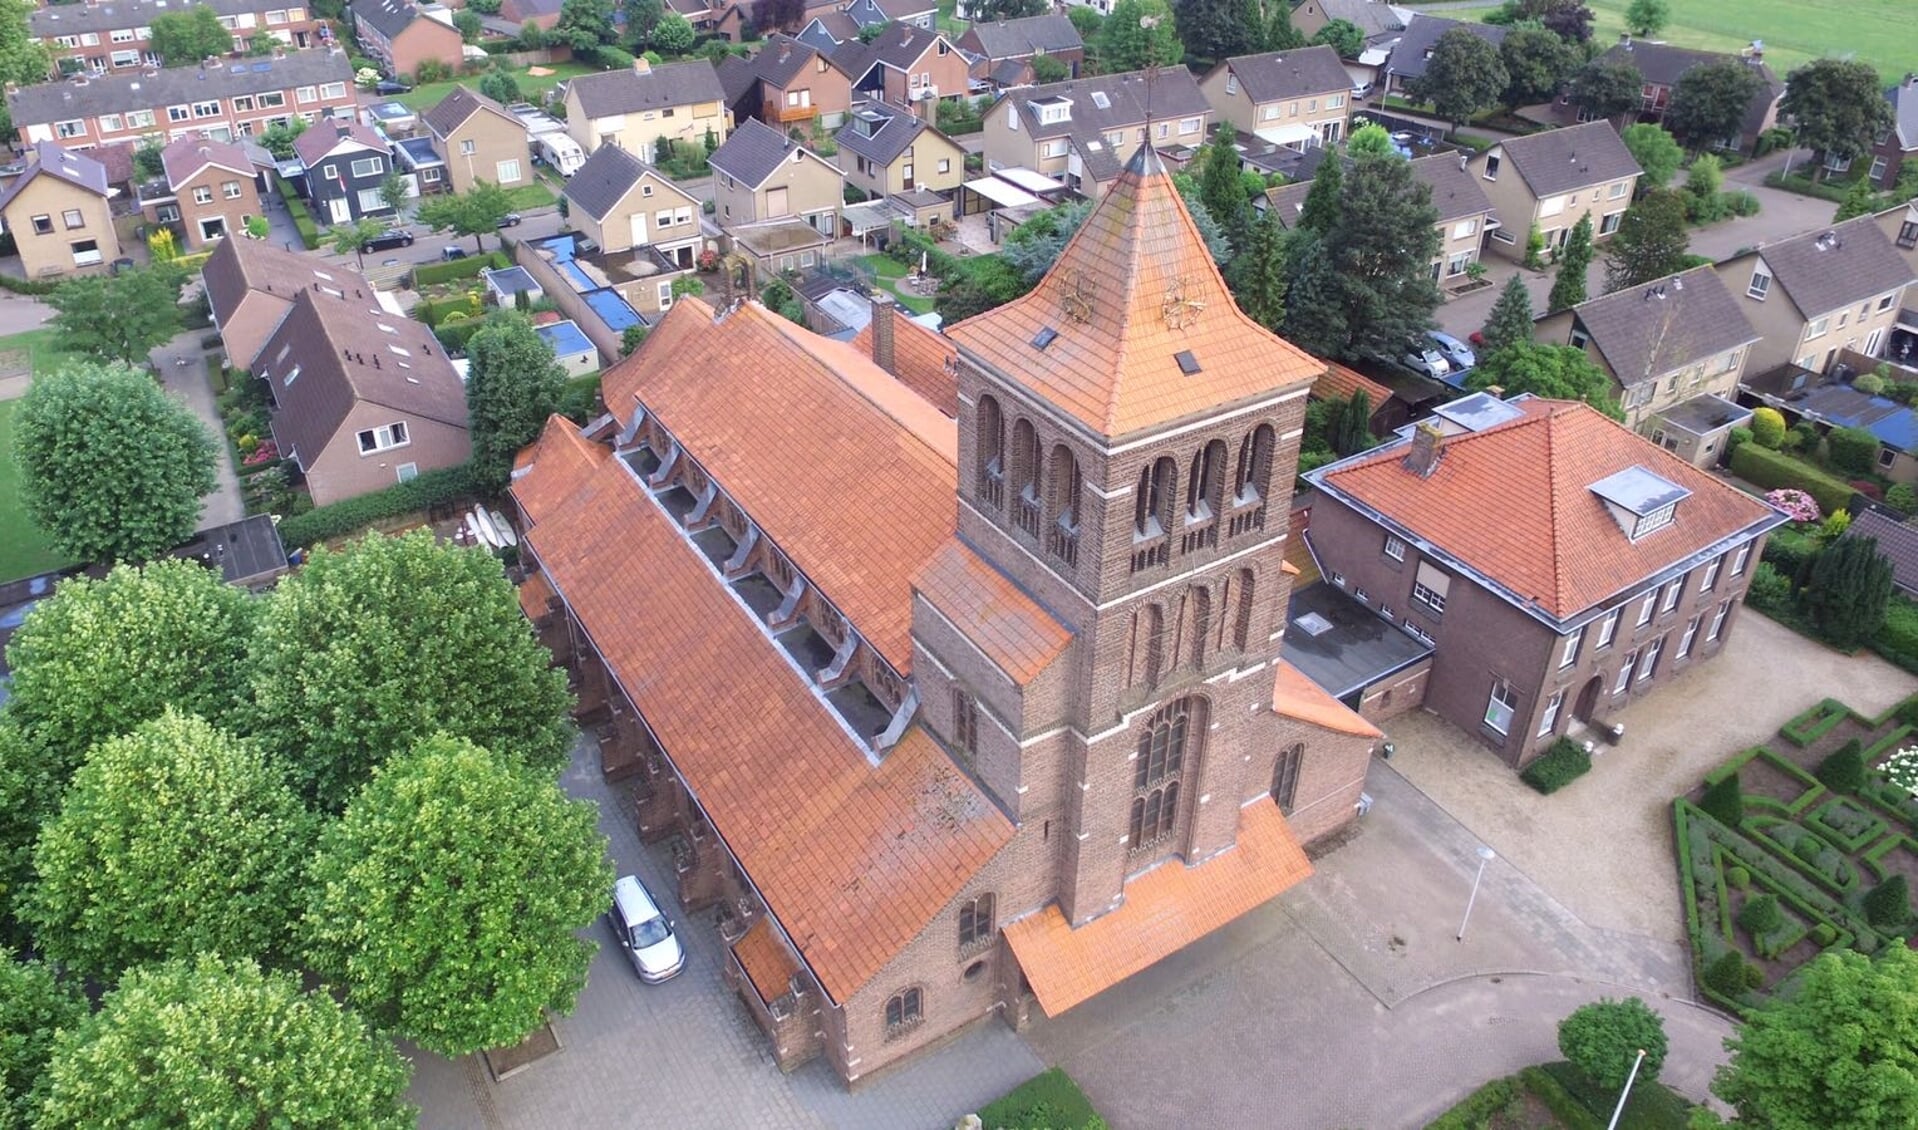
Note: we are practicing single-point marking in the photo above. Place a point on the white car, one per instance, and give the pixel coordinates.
(1425, 360)
(644, 933)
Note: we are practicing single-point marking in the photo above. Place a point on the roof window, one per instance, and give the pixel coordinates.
(1188, 364)
(1640, 501)
(1044, 337)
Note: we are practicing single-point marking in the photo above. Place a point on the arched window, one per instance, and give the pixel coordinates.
(1162, 745)
(1242, 622)
(1153, 508)
(1154, 626)
(1025, 459)
(1285, 776)
(904, 1010)
(1066, 485)
(1170, 741)
(975, 923)
(992, 451)
(1152, 817)
(965, 721)
(1255, 465)
(1208, 478)
(1201, 626)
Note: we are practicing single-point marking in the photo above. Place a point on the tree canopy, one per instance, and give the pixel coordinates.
(1603, 1040)
(512, 387)
(1463, 77)
(182, 39)
(1647, 17)
(1315, 306)
(674, 34)
(1257, 273)
(1321, 208)
(216, 1043)
(1574, 260)
(1342, 36)
(34, 1006)
(352, 239)
(1710, 102)
(1560, 372)
(1655, 151)
(476, 212)
(1381, 249)
(366, 651)
(1848, 588)
(446, 897)
(1537, 63)
(983, 10)
(1605, 88)
(1140, 34)
(111, 467)
(1650, 243)
(119, 317)
(585, 24)
(1213, 30)
(174, 840)
(1370, 139)
(1837, 106)
(23, 58)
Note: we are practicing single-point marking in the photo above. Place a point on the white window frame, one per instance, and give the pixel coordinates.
(1395, 547)
(1760, 284)
(1548, 722)
(386, 437)
(1431, 587)
(306, 94)
(203, 194)
(330, 90)
(366, 166)
(1625, 672)
(1672, 592)
(1501, 707)
(503, 169)
(1685, 641)
(1569, 654)
(1718, 621)
(1744, 558)
(1608, 628)
(1646, 608)
(1709, 581)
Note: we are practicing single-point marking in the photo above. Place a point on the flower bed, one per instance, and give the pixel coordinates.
(1815, 723)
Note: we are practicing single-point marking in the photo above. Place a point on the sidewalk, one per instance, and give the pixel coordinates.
(188, 382)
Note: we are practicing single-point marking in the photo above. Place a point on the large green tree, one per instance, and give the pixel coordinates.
(1574, 260)
(1257, 274)
(1836, 106)
(174, 840)
(1510, 322)
(214, 1043)
(1647, 17)
(1343, 36)
(1605, 88)
(183, 39)
(1847, 591)
(1315, 304)
(1559, 372)
(1710, 102)
(1321, 207)
(1656, 152)
(1034, 246)
(1840, 1052)
(1650, 243)
(1537, 63)
(585, 24)
(24, 59)
(353, 239)
(476, 212)
(1280, 35)
(641, 17)
(1218, 29)
(35, 1006)
(1220, 184)
(1463, 77)
(447, 896)
(118, 317)
(1139, 34)
(1381, 248)
(29, 791)
(513, 386)
(365, 651)
(1603, 1040)
(111, 467)
(674, 34)
(1860, 198)
(1370, 139)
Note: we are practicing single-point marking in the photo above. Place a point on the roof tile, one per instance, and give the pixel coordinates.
(1005, 622)
(924, 360)
(769, 965)
(1295, 696)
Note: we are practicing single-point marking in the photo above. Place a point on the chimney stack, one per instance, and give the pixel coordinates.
(883, 312)
(641, 66)
(1423, 458)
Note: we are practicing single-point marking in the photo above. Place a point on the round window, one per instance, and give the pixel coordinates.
(975, 971)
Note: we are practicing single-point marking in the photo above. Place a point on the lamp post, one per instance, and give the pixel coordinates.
(1485, 856)
(1627, 1092)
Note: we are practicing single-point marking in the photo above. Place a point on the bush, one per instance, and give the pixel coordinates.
(1737, 878)
(1765, 468)
(1844, 770)
(433, 274)
(1768, 426)
(1558, 766)
(1770, 590)
(302, 217)
(1742, 203)
(1738, 435)
(434, 488)
(1824, 934)
(1902, 498)
(1600, 1038)
(1888, 905)
(1852, 450)
(1760, 915)
(1727, 975)
(1478, 1109)
(1724, 802)
(579, 398)
(28, 286)
(605, 57)
(1050, 1100)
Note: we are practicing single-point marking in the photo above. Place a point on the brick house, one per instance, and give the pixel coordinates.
(479, 139)
(206, 193)
(1003, 50)
(636, 109)
(907, 65)
(58, 215)
(761, 174)
(1675, 349)
(1817, 293)
(885, 150)
(345, 165)
(1898, 144)
(786, 83)
(359, 398)
(251, 284)
(620, 203)
(224, 102)
(545, 13)
(1559, 565)
(109, 37)
(1296, 98)
(398, 36)
(1550, 180)
(1079, 132)
(1046, 748)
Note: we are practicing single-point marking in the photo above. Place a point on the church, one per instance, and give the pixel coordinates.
(951, 666)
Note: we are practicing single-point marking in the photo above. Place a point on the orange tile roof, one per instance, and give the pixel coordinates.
(1295, 696)
(769, 965)
(534, 594)
(996, 615)
(849, 472)
(1135, 287)
(1165, 910)
(565, 459)
(1339, 383)
(854, 859)
(1514, 502)
(927, 363)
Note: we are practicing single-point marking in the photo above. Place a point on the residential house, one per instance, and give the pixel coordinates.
(545, 13)
(1900, 225)
(1814, 294)
(1295, 98)
(205, 193)
(1898, 144)
(945, 665)
(636, 109)
(906, 66)
(1465, 212)
(1381, 24)
(827, 30)
(479, 139)
(1407, 58)
(1662, 65)
(1674, 349)
(224, 102)
(1897, 538)
(879, 13)
(1559, 565)
(250, 285)
(399, 36)
(109, 37)
(58, 214)
(345, 165)
(885, 150)
(1082, 132)
(1833, 400)
(1005, 49)
(360, 399)
(620, 202)
(787, 83)
(761, 174)
(1550, 180)
(421, 163)
(722, 18)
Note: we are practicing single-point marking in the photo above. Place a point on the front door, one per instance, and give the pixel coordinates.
(1588, 698)
(337, 207)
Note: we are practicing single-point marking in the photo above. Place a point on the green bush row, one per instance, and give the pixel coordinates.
(432, 274)
(28, 286)
(1815, 723)
(1478, 1109)
(434, 488)
(302, 216)
(1558, 766)
(1770, 469)
(1564, 1105)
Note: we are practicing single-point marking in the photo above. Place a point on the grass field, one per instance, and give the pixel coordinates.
(1795, 31)
(32, 351)
(24, 551)
(530, 88)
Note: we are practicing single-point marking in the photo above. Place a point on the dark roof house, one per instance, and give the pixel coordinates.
(1273, 76)
(1016, 39)
(1696, 318)
(1564, 160)
(604, 180)
(50, 159)
(1414, 47)
(629, 92)
(1455, 190)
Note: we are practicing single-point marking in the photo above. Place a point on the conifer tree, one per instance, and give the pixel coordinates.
(1847, 589)
(1321, 209)
(1568, 286)
(1510, 322)
(1257, 273)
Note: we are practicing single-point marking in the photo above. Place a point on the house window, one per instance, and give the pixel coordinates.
(1685, 641)
(178, 114)
(1610, 223)
(305, 94)
(110, 123)
(43, 225)
(1394, 547)
(273, 100)
(1710, 579)
(1607, 629)
(508, 171)
(965, 721)
(86, 253)
(1645, 608)
(366, 167)
(1579, 339)
(370, 200)
(1553, 705)
(1464, 228)
(74, 128)
(1188, 126)
(1491, 166)
(203, 194)
(1285, 776)
(333, 90)
(1056, 148)
(1231, 83)
(1430, 587)
(242, 102)
(1268, 113)
(903, 1013)
(945, 164)
(1618, 189)
(139, 119)
(1502, 706)
(1625, 673)
(1908, 234)
(1817, 329)
(73, 219)
(206, 109)
(1884, 303)
(1739, 562)
(383, 438)
(1718, 621)
(975, 923)
(231, 189)
(1569, 655)
(117, 35)
(1672, 592)
(1649, 664)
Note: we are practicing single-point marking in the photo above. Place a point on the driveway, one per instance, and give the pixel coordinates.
(182, 366)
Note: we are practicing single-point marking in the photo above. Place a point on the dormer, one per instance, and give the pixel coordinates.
(1640, 501)
(868, 122)
(1054, 110)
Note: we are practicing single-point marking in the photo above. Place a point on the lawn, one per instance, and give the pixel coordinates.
(30, 351)
(1794, 31)
(24, 551)
(530, 88)
(887, 271)
(1050, 1101)
(530, 196)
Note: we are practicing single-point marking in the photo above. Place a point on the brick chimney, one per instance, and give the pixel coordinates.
(1427, 443)
(641, 66)
(883, 312)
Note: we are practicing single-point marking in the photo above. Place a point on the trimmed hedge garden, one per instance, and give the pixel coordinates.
(433, 488)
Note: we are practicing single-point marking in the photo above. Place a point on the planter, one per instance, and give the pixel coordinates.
(504, 1063)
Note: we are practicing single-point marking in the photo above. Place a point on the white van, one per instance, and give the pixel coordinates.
(561, 152)
(644, 933)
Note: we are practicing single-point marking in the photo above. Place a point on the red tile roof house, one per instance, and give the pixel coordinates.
(1013, 736)
(1560, 565)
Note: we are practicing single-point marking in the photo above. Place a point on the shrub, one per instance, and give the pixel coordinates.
(1724, 802)
(1744, 202)
(1852, 450)
(1902, 498)
(1739, 435)
(1762, 467)
(1844, 770)
(1479, 1108)
(1797, 505)
(1558, 766)
(1726, 975)
(1770, 590)
(434, 488)
(1888, 905)
(1737, 878)
(1600, 1038)
(1760, 915)
(1768, 427)
(1824, 934)
(432, 274)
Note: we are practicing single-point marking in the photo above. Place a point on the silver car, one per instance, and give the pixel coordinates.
(1456, 353)
(1426, 361)
(644, 933)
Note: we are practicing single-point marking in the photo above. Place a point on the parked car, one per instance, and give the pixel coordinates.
(509, 220)
(1456, 353)
(121, 266)
(448, 254)
(1425, 360)
(644, 933)
(1360, 91)
(389, 239)
(391, 86)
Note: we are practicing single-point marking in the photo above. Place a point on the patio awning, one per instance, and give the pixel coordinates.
(1003, 193)
(1292, 133)
(873, 215)
(1165, 910)
(1034, 182)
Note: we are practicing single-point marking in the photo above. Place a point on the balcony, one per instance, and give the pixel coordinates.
(776, 111)
(1028, 515)
(1063, 542)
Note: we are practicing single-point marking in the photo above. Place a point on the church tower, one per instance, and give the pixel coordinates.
(1127, 446)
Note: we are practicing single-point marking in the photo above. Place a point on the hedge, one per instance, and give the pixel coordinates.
(302, 218)
(1558, 766)
(432, 274)
(1770, 470)
(28, 286)
(1049, 1100)
(434, 488)
(1479, 1107)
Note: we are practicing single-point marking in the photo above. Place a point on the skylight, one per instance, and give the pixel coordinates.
(1188, 364)
(1100, 100)
(1044, 337)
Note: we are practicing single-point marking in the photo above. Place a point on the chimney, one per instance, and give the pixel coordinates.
(882, 315)
(641, 66)
(1423, 458)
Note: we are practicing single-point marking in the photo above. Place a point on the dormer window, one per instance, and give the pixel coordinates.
(1760, 284)
(1054, 110)
(1640, 501)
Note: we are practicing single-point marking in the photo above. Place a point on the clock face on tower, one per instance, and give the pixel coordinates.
(1182, 305)
(1076, 302)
